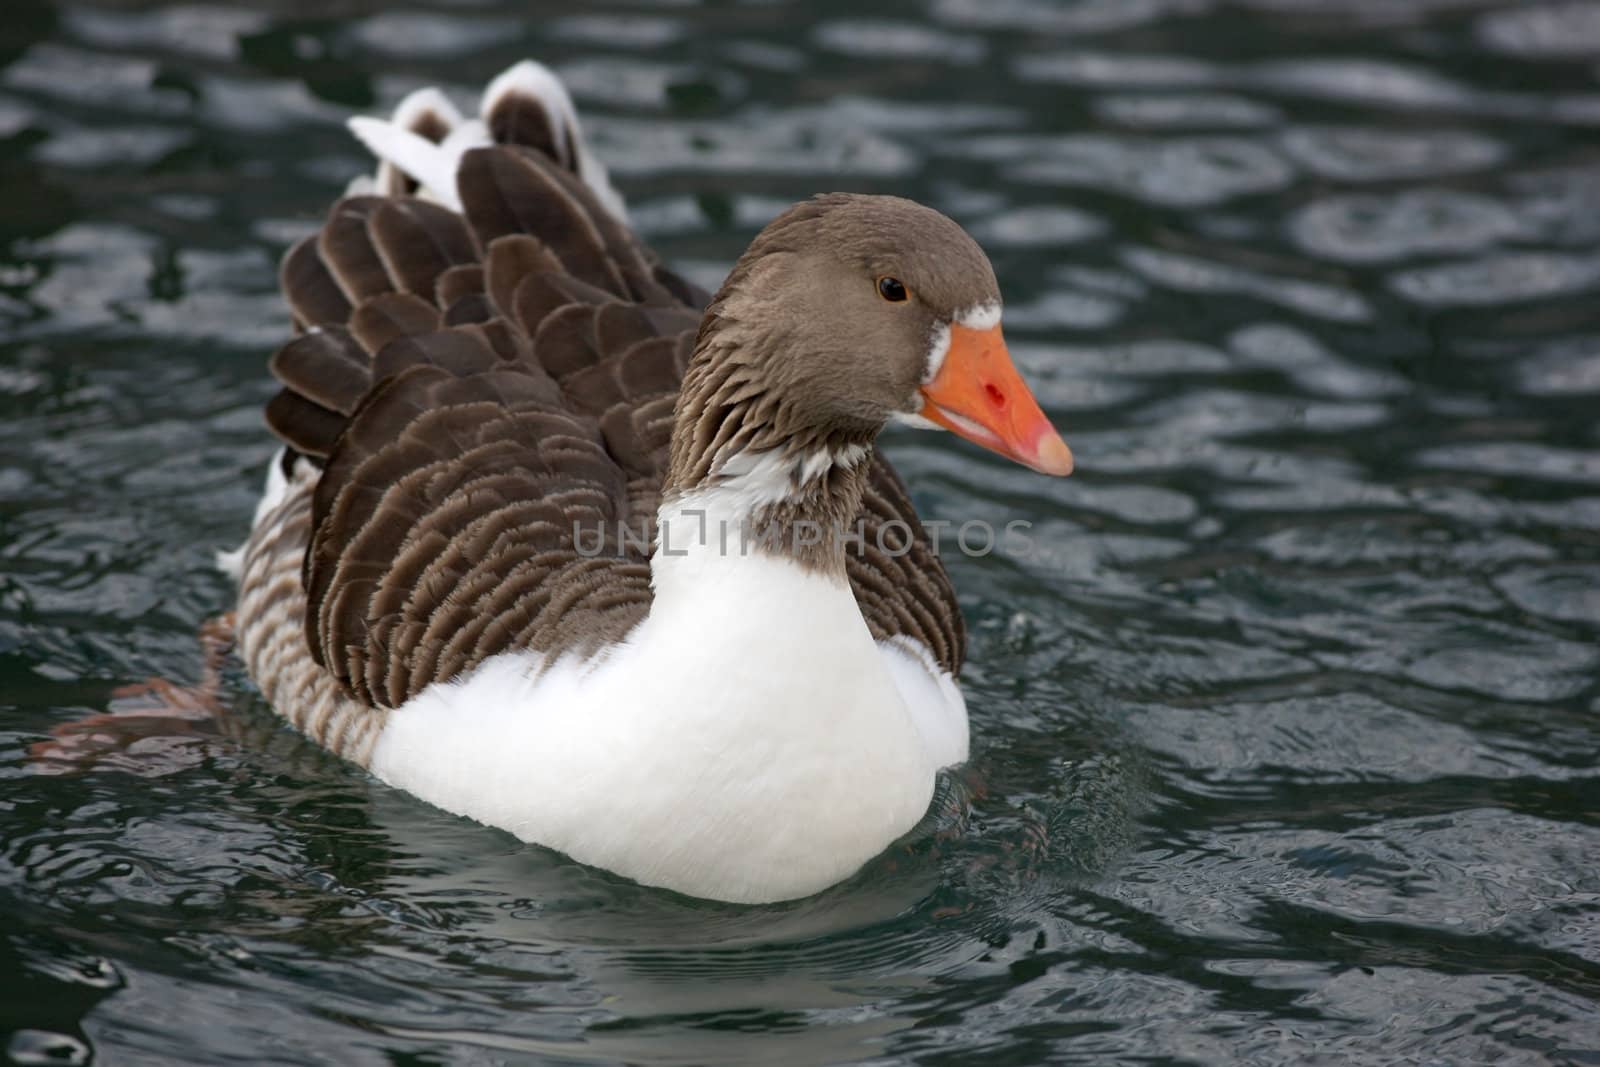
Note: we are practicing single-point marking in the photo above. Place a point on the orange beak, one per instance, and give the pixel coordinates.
(979, 395)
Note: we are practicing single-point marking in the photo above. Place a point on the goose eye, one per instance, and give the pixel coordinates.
(892, 289)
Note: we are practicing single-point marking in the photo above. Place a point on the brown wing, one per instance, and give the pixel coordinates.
(491, 398)
(899, 582)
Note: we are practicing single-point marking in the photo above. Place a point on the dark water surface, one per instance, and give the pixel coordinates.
(1286, 725)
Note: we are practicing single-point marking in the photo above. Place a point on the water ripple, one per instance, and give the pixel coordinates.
(403, 33)
(1196, 275)
(896, 41)
(1370, 153)
(204, 30)
(1185, 112)
(1556, 31)
(1375, 229)
(1499, 279)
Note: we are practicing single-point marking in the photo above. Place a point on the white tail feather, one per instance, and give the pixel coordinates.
(363, 184)
(537, 81)
(408, 115)
(434, 166)
(417, 103)
(276, 488)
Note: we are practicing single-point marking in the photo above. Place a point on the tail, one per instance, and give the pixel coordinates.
(231, 562)
(420, 148)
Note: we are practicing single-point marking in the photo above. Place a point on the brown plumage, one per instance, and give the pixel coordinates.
(477, 391)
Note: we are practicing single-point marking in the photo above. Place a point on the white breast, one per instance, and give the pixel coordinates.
(749, 741)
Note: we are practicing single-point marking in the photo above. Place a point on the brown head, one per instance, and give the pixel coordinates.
(849, 312)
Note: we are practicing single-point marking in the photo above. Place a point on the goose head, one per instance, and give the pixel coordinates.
(849, 313)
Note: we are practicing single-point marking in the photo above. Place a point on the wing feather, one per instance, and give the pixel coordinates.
(326, 367)
(417, 241)
(307, 284)
(346, 248)
(390, 317)
(514, 191)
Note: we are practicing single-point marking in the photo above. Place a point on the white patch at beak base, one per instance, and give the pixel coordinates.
(938, 349)
(985, 316)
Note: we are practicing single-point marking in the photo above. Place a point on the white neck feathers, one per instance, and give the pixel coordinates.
(714, 515)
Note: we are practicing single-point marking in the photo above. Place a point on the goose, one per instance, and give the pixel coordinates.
(559, 542)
